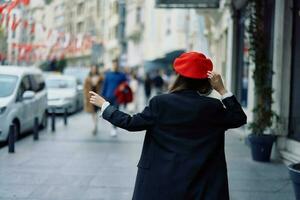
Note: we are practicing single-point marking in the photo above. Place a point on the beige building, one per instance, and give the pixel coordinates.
(135, 23)
(229, 45)
(19, 36)
(112, 22)
(83, 20)
(69, 24)
(156, 36)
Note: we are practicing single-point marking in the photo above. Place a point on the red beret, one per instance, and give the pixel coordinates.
(193, 65)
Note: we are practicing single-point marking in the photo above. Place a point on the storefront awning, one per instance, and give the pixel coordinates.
(238, 4)
(187, 4)
(164, 62)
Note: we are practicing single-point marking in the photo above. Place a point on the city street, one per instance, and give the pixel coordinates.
(73, 164)
(70, 57)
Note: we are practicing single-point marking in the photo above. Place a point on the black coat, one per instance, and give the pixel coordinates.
(183, 154)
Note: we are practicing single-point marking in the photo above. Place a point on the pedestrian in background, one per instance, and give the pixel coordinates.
(183, 154)
(147, 87)
(92, 83)
(158, 83)
(134, 85)
(113, 79)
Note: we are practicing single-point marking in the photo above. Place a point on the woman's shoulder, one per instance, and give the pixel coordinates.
(188, 97)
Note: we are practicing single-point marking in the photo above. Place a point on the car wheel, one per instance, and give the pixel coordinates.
(44, 121)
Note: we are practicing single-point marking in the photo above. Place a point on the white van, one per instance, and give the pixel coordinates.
(23, 97)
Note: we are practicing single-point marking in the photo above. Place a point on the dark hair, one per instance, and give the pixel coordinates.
(97, 70)
(115, 60)
(184, 83)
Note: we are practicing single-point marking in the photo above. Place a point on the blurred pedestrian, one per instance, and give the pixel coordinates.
(172, 80)
(53, 65)
(113, 79)
(92, 83)
(134, 85)
(147, 87)
(158, 83)
(183, 154)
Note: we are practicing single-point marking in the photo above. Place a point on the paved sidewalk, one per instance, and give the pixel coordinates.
(73, 164)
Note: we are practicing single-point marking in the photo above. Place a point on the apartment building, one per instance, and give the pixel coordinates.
(158, 35)
(229, 45)
(82, 19)
(112, 22)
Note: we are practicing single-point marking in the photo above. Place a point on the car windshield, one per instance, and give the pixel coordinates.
(7, 84)
(60, 83)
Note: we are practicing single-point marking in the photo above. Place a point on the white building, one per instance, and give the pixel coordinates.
(112, 18)
(229, 47)
(19, 36)
(166, 33)
(135, 23)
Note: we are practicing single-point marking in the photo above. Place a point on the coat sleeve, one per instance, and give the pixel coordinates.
(230, 114)
(138, 122)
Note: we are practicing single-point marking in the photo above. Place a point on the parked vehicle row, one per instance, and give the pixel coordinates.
(23, 97)
(63, 92)
(27, 93)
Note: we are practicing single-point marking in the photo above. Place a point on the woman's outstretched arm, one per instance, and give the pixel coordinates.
(138, 122)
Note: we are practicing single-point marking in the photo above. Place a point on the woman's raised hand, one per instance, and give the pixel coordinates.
(217, 82)
(96, 99)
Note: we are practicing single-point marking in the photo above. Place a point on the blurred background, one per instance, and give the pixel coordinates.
(48, 49)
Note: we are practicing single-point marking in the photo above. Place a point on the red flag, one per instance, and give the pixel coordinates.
(2, 7)
(2, 19)
(12, 5)
(25, 24)
(15, 24)
(26, 2)
(32, 31)
(49, 34)
(7, 20)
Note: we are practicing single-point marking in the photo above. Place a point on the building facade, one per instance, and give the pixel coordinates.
(82, 19)
(113, 23)
(135, 23)
(229, 46)
(157, 35)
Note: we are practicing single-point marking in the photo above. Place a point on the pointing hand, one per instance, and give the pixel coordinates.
(96, 99)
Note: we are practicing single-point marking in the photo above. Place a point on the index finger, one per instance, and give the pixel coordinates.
(94, 93)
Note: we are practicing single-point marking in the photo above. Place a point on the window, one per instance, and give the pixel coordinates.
(25, 85)
(80, 27)
(116, 7)
(168, 30)
(116, 32)
(138, 15)
(98, 8)
(70, 28)
(8, 84)
(80, 8)
(37, 82)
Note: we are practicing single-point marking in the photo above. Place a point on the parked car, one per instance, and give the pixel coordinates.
(23, 97)
(63, 92)
(80, 73)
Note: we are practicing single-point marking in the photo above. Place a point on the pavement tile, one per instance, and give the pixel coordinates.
(12, 191)
(73, 164)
